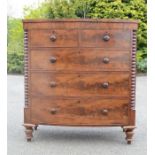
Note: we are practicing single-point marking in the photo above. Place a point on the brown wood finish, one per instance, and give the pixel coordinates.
(63, 38)
(80, 111)
(81, 24)
(83, 59)
(117, 39)
(80, 84)
(80, 73)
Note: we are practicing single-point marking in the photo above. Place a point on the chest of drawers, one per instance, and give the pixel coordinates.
(80, 73)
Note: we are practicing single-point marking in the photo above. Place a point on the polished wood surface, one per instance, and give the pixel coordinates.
(117, 39)
(82, 59)
(63, 38)
(81, 24)
(80, 111)
(80, 72)
(80, 84)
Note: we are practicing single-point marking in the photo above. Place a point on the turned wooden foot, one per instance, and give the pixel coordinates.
(36, 126)
(29, 131)
(129, 133)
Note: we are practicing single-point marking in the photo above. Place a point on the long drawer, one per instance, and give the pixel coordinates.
(82, 111)
(80, 84)
(83, 59)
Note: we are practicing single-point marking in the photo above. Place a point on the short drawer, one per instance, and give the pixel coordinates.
(82, 59)
(80, 84)
(82, 111)
(54, 38)
(105, 38)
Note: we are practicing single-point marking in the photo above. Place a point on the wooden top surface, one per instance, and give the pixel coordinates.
(81, 20)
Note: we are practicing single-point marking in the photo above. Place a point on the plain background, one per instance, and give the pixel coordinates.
(150, 83)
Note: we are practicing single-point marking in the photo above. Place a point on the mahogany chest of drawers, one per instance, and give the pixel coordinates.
(80, 73)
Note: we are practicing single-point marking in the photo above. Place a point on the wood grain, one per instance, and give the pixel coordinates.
(80, 72)
(118, 39)
(80, 111)
(82, 59)
(81, 24)
(64, 38)
(79, 84)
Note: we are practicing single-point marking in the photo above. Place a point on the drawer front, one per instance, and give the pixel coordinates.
(105, 38)
(87, 111)
(54, 38)
(80, 84)
(82, 59)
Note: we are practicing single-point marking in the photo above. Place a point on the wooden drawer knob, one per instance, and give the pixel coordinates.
(53, 84)
(106, 60)
(53, 37)
(53, 111)
(104, 111)
(105, 85)
(106, 37)
(53, 59)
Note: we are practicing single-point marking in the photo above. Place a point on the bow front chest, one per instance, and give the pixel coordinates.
(80, 73)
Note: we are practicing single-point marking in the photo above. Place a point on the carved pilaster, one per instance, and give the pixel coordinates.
(26, 66)
(133, 69)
